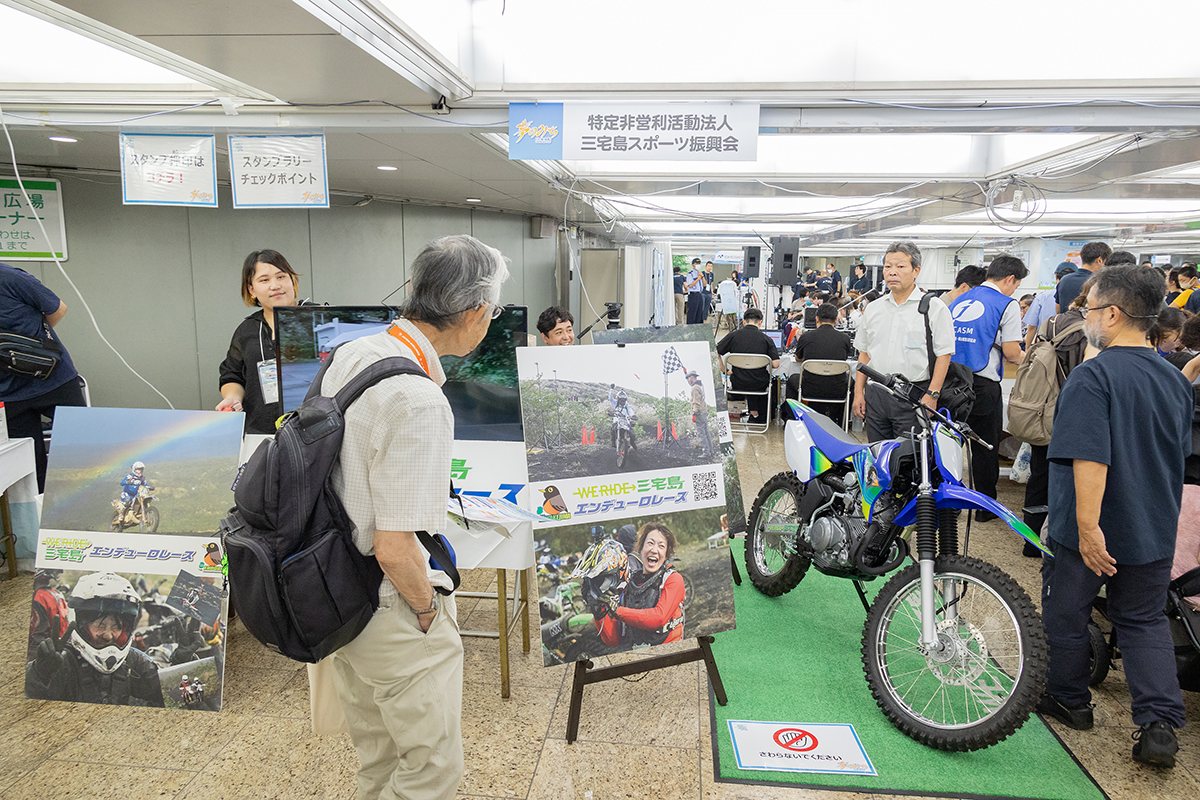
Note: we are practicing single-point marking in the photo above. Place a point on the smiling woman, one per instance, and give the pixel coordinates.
(248, 374)
(651, 609)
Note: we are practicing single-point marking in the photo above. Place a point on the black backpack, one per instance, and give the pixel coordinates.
(297, 580)
(958, 390)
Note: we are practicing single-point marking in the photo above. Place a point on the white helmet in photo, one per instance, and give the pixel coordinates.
(99, 595)
(137, 465)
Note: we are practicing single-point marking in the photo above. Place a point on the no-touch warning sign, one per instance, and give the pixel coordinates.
(799, 747)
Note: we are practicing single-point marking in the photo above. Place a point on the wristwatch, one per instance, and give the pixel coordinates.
(934, 395)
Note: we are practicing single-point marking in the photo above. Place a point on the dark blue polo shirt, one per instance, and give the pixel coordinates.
(1130, 409)
(1068, 288)
(24, 304)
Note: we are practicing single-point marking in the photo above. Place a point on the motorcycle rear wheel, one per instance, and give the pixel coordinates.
(773, 558)
(988, 678)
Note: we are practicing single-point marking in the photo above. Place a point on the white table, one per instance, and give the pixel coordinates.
(18, 505)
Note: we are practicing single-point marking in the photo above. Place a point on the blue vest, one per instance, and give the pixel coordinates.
(977, 316)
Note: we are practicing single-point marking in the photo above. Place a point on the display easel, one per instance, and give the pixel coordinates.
(585, 673)
(520, 612)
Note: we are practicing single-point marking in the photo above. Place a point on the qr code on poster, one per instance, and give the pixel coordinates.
(704, 485)
(722, 426)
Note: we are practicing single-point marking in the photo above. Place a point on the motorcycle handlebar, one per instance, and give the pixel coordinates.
(890, 381)
(878, 377)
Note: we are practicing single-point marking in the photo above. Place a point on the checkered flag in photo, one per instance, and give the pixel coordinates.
(671, 361)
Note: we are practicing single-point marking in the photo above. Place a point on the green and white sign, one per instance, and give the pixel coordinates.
(21, 221)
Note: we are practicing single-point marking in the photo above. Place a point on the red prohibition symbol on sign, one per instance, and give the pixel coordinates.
(795, 739)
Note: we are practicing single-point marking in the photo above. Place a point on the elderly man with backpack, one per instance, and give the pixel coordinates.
(400, 680)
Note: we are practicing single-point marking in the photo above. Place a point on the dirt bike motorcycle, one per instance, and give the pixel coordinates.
(139, 513)
(953, 648)
(624, 425)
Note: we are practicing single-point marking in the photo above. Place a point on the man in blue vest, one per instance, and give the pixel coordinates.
(987, 330)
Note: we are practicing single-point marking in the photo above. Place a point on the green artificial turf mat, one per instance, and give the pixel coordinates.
(796, 659)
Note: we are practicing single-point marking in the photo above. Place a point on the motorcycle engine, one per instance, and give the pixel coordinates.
(833, 537)
(833, 534)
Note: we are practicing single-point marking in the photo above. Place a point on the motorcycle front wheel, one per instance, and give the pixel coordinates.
(990, 668)
(773, 559)
(117, 522)
(150, 519)
(622, 449)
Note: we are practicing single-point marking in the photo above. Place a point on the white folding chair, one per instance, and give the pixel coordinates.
(751, 361)
(827, 367)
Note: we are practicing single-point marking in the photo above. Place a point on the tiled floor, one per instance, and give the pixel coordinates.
(260, 744)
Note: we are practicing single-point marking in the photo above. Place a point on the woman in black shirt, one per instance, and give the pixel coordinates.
(248, 378)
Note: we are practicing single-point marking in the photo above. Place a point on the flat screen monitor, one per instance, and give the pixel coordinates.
(776, 337)
(481, 387)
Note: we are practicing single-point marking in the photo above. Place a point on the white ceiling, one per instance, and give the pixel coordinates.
(878, 119)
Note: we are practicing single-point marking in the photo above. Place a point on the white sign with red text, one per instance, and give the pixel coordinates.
(170, 169)
(799, 747)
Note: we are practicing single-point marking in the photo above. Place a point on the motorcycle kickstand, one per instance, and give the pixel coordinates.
(862, 596)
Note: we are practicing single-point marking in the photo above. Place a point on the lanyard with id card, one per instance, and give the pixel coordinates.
(268, 374)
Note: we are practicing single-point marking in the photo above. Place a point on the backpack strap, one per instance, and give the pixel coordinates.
(923, 310)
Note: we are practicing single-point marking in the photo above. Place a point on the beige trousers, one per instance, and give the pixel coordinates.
(401, 691)
(680, 309)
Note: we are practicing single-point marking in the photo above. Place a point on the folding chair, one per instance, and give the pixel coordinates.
(827, 367)
(751, 361)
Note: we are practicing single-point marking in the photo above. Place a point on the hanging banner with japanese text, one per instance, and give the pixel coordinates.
(641, 132)
(173, 169)
(21, 221)
(279, 171)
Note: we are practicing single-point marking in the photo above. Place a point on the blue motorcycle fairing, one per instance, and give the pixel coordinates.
(949, 495)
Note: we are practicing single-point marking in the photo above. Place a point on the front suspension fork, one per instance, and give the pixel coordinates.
(927, 550)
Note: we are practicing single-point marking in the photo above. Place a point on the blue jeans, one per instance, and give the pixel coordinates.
(1137, 597)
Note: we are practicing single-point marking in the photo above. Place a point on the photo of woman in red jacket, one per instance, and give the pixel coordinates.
(650, 609)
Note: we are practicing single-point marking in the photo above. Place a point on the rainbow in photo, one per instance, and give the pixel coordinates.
(190, 458)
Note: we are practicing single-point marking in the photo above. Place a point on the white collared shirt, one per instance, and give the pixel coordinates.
(394, 469)
(893, 335)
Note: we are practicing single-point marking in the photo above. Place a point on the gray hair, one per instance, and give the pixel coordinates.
(908, 248)
(451, 276)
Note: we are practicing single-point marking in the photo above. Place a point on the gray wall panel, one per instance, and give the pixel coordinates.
(133, 266)
(423, 224)
(221, 238)
(358, 253)
(506, 233)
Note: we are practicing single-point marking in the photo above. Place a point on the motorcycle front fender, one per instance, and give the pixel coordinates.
(949, 495)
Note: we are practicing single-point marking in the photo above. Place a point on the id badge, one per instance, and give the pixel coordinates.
(268, 381)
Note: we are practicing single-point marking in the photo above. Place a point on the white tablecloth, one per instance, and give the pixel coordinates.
(18, 477)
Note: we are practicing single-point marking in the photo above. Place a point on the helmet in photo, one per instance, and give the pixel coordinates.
(99, 595)
(622, 397)
(604, 569)
(137, 465)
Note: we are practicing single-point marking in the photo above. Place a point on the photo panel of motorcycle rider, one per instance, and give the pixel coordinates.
(557, 327)
(247, 376)
(1116, 478)
(891, 339)
(987, 329)
(92, 486)
(624, 584)
(96, 662)
(36, 372)
(650, 609)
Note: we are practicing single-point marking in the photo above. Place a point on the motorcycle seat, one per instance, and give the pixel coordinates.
(830, 438)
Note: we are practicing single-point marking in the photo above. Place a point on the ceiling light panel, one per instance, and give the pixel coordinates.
(751, 228)
(635, 207)
(36, 51)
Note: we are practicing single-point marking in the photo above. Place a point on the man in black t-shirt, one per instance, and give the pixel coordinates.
(825, 343)
(750, 339)
(1116, 479)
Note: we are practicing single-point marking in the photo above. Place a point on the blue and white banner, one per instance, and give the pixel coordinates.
(170, 169)
(279, 171)
(639, 132)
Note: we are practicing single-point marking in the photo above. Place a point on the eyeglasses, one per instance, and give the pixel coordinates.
(1087, 309)
(497, 310)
